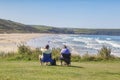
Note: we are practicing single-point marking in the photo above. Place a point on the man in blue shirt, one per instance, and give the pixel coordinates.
(65, 55)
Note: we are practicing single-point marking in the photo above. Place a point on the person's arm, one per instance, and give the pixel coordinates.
(42, 49)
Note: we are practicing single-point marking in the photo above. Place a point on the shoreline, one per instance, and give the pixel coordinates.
(9, 42)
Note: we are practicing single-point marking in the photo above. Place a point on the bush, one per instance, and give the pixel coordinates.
(104, 53)
(28, 53)
(36, 53)
(22, 49)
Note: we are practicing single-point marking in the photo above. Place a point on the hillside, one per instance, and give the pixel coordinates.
(7, 26)
(97, 31)
(50, 29)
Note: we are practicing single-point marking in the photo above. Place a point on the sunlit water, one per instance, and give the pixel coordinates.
(80, 44)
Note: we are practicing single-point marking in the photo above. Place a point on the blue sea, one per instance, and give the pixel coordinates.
(79, 44)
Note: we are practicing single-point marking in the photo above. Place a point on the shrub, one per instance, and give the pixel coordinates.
(28, 53)
(22, 49)
(35, 53)
(104, 53)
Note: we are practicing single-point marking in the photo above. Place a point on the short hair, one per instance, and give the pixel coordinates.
(47, 46)
(65, 46)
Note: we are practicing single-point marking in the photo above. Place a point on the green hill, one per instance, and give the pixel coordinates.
(8, 26)
(51, 29)
(97, 31)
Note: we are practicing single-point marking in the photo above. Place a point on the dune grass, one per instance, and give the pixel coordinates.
(32, 70)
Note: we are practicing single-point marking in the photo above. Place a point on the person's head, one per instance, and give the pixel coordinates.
(65, 46)
(47, 46)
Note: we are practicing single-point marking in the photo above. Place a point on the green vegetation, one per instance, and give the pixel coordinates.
(105, 53)
(32, 70)
(28, 54)
(24, 65)
(97, 31)
(7, 26)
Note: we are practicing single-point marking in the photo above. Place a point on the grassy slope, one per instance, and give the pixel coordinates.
(21, 70)
(8, 26)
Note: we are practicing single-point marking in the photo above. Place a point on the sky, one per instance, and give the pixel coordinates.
(63, 13)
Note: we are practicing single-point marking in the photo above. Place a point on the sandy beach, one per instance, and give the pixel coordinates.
(9, 42)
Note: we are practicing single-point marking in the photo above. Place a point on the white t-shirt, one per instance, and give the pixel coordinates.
(46, 51)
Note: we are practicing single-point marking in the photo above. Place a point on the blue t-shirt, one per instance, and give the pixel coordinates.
(65, 51)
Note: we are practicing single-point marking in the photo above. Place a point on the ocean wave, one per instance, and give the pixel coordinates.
(112, 43)
(83, 39)
(108, 39)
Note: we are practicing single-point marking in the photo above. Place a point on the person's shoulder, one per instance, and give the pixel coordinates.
(63, 49)
(49, 50)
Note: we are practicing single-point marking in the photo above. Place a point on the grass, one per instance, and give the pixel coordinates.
(24, 65)
(32, 70)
